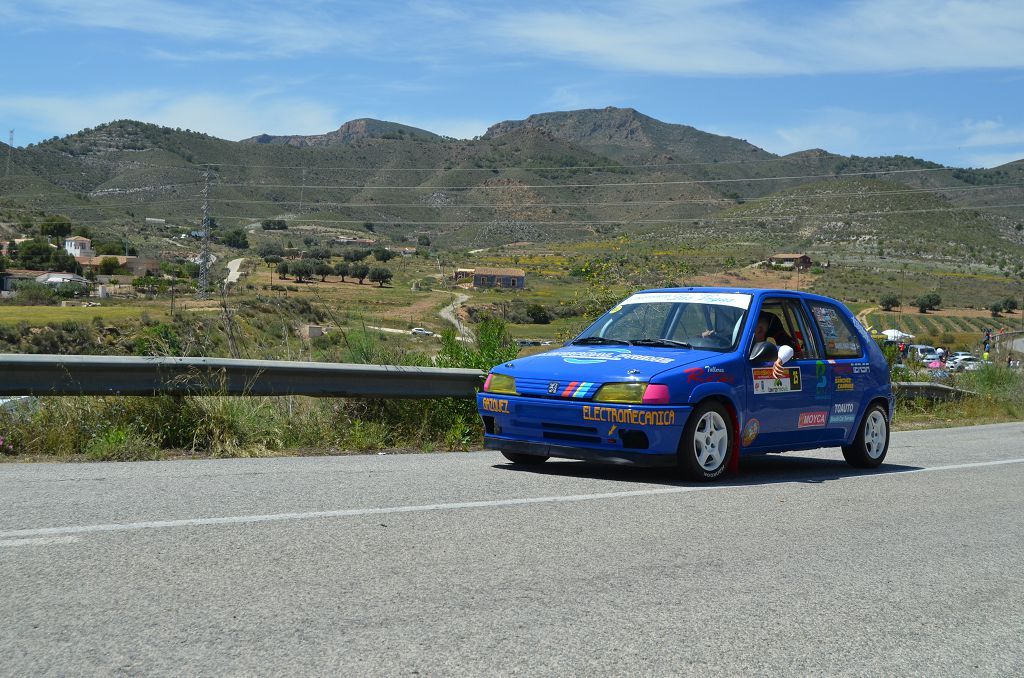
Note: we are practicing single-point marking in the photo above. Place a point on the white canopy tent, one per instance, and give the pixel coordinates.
(896, 335)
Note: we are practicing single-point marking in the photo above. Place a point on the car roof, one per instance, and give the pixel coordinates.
(756, 292)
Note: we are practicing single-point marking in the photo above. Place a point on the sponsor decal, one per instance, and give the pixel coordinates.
(841, 368)
(821, 385)
(552, 387)
(704, 375)
(607, 355)
(714, 298)
(618, 415)
(826, 322)
(844, 408)
(842, 419)
(844, 384)
(750, 431)
(495, 405)
(814, 419)
(576, 389)
(766, 382)
(861, 368)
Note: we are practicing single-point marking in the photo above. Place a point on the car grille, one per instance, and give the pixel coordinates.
(564, 390)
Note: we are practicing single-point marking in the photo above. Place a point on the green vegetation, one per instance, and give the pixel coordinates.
(127, 428)
(592, 204)
(998, 396)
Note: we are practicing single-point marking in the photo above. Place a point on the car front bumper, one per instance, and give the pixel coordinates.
(641, 434)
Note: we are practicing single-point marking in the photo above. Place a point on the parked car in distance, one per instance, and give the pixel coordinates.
(973, 365)
(959, 363)
(919, 351)
(420, 331)
(697, 378)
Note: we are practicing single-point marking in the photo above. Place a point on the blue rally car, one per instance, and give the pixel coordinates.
(697, 377)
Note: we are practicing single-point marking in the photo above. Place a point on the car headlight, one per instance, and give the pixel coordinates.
(629, 393)
(500, 383)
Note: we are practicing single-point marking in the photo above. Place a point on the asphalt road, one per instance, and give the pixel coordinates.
(458, 564)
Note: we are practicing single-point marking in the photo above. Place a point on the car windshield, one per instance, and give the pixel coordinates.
(672, 320)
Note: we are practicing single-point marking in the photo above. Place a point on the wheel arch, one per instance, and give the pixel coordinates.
(882, 402)
(724, 399)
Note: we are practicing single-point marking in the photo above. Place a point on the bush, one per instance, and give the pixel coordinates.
(236, 238)
(31, 293)
(359, 271)
(888, 302)
(380, 275)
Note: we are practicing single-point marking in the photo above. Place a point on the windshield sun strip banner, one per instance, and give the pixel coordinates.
(741, 301)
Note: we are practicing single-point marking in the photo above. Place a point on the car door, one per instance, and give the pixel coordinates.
(847, 367)
(791, 412)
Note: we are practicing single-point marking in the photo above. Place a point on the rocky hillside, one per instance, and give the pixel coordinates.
(354, 130)
(626, 134)
(569, 176)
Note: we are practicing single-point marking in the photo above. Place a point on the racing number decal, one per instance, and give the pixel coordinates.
(766, 382)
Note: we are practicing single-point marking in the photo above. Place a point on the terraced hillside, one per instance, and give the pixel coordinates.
(556, 177)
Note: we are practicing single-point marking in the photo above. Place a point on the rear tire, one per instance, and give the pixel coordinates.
(524, 459)
(872, 442)
(707, 444)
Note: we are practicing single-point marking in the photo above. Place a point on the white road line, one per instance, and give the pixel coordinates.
(39, 541)
(16, 537)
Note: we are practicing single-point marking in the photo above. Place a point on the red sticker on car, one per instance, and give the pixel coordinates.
(816, 419)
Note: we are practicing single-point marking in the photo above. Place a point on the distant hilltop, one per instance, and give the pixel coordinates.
(354, 130)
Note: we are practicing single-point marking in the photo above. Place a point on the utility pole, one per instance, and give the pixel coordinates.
(10, 152)
(204, 256)
(302, 191)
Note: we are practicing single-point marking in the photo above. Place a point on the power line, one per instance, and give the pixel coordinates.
(623, 203)
(589, 222)
(505, 168)
(609, 184)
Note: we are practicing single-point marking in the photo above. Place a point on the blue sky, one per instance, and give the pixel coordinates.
(942, 80)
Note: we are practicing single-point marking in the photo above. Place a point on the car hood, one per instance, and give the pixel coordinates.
(602, 364)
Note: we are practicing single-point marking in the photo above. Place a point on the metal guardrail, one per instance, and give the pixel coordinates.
(40, 375)
(927, 389)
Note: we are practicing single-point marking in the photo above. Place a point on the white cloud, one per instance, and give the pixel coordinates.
(573, 97)
(224, 116)
(749, 38)
(991, 133)
(989, 160)
(241, 30)
(853, 132)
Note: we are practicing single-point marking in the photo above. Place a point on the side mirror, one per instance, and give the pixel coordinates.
(764, 352)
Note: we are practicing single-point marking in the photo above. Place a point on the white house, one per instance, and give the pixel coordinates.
(77, 246)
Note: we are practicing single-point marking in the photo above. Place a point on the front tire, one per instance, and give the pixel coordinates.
(707, 444)
(872, 442)
(524, 459)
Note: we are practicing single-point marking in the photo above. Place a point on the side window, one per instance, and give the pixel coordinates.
(840, 339)
(781, 321)
(805, 347)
